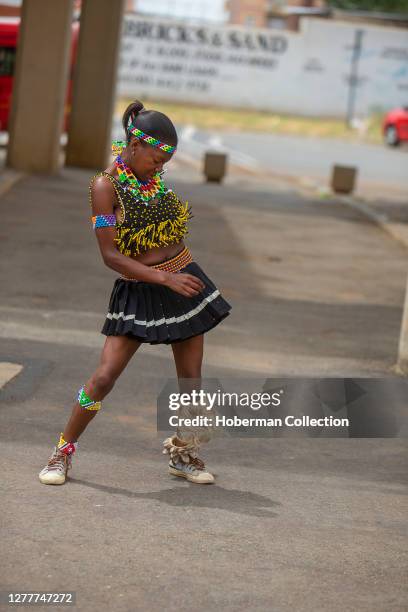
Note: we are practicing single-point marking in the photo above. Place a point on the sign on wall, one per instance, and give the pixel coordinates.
(306, 72)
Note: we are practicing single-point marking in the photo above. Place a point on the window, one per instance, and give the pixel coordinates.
(7, 59)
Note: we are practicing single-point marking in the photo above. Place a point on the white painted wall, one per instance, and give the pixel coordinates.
(304, 72)
(205, 10)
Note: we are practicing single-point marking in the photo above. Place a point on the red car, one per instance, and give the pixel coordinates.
(395, 126)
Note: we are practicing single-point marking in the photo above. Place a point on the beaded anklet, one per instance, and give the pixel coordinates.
(68, 448)
(86, 402)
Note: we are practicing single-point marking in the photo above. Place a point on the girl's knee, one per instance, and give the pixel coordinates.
(103, 381)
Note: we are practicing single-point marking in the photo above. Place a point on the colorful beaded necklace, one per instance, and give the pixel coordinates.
(143, 191)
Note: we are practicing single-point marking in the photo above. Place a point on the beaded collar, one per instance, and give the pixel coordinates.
(142, 191)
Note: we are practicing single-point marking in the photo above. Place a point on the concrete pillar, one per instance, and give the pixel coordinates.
(40, 85)
(94, 84)
(403, 342)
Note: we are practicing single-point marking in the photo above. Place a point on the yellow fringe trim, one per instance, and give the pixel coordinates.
(165, 233)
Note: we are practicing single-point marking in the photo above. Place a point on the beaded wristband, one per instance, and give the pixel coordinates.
(104, 221)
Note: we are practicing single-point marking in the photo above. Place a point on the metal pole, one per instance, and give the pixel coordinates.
(403, 342)
(353, 79)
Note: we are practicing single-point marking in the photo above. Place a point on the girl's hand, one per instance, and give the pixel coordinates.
(185, 284)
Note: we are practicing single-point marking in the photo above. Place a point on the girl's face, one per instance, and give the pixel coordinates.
(145, 160)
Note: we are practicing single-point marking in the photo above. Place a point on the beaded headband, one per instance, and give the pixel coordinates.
(119, 145)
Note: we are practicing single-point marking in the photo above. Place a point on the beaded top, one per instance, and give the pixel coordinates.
(162, 222)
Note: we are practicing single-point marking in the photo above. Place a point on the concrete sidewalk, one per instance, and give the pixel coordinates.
(316, 289)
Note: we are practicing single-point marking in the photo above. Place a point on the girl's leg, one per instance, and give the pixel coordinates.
(188, 358)
(183, 447)
(116, 354)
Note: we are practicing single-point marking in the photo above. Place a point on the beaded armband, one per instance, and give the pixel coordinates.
(103, 221)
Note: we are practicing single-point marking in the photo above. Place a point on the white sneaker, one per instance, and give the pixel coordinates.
(194, 471)
(56, 470)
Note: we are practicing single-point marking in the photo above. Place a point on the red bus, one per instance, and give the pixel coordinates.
(9, 30)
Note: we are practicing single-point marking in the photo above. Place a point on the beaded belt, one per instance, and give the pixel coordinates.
(175, 264)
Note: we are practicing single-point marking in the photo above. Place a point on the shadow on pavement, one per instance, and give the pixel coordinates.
(196, 496)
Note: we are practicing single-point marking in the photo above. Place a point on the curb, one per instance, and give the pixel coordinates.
(9, 178)
(398, 231)
(238, 169)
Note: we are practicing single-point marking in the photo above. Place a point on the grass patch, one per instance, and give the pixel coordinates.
(225, 119)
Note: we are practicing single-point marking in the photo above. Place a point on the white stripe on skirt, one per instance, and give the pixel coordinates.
(183, 317)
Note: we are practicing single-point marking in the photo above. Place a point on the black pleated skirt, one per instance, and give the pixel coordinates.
(158, 315)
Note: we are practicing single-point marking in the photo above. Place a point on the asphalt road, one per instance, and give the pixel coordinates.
(291, 524)
(304, 157)
(382, 171)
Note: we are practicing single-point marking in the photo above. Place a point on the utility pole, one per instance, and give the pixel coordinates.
(353, 79)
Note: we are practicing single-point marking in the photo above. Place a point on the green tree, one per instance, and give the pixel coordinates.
(383, 6)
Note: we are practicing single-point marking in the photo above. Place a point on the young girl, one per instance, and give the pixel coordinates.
(162, 296)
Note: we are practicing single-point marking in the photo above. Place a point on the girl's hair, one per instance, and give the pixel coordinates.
(151, 122)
